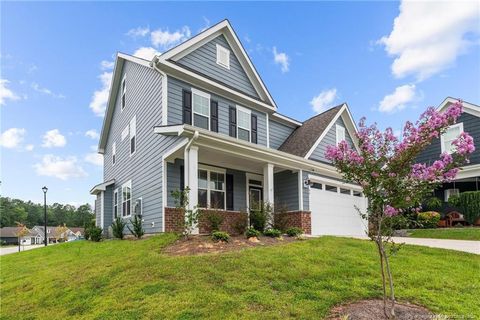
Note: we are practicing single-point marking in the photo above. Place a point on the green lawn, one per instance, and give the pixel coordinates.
(467, 233)
(134, 280)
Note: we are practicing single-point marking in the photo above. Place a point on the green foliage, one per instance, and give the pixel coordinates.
(400, 221)
(137, 227)
(214, 219)
(454, 200)
(433, 203)
(220, 236)
(240, 224)
(252, 232)
(294, 232)
(259, 218)
(469, 204)
(428, 219)
(118, 226)
(87, 226)
(182, 201)
(95, 233)
(273, 233)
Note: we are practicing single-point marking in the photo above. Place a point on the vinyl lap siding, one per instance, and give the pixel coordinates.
(98, 210)
(285, 186)
(175, 88)
(279, 132)
(330, 139)
(204, 60)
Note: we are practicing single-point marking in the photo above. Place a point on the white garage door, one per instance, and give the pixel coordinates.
(333, 210)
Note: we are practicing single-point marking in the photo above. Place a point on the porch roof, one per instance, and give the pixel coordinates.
(101, 187)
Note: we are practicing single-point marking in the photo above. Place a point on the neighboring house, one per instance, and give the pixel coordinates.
(55, 234)
(199, 115)
(468, 179)
(78, 233)
(9, 235)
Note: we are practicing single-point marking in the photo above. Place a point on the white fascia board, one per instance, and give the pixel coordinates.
(143, 62)
(468, 172)
(101, 187)
(468, 107)
(175, 130)
(281, 118)
(334, 182)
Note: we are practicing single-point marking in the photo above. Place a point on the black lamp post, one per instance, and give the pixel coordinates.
(45, 189)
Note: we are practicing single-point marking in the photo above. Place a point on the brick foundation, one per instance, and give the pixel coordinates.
(298, 219)
(174, 219)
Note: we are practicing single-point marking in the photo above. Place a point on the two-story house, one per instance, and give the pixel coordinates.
(468, 178)
(199, 115)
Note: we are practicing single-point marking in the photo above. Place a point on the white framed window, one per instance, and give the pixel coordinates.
(223, 56)
(201, 109)
(211, 188)
(115, 204)
(450, 192)
(114, 153)
(133, 135)
(127, 199)
(451, 134)
(244, 123)
(125, 132)
(340, 133)
(124, 91)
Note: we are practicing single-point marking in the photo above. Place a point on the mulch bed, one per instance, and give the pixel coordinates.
(373, 310)
(204, 244)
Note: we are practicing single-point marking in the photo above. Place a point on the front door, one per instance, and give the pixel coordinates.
(255, 197)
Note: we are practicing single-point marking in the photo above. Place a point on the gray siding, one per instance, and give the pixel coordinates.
(285, 186)
(306, 193)
(330, 139)
(144, 167)
(204, 61)
(279, 132)
(471, 124)
(175, 88)
(108, 207)
(98, 210)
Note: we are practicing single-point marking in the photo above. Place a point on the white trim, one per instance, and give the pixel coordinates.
(102, 209)
(209, 170)
(249, 112)
(123, 93)
(114, 153)
(164, 191)
(115, 196)
(268, 188)
(468, 171)
(212, 168)
(134, 59)
(468, 107)
(221, 49)
(300, 190)
(141, 206)
(447, 193)
(101, 187)
(341, 129)
(164, 99)
(252, 176)
(286, 119)
(268, 130)
(336, 183)
(127, 184)
(196, 92)
(442, 137)
(175, 130)
(132, 134)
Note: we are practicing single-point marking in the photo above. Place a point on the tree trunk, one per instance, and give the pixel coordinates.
(390, 282)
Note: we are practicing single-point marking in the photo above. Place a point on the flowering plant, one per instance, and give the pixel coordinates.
(392, 180)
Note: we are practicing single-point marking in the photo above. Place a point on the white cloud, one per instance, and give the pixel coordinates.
(48, 92)
(92, 134)
(282, 59)
(12, 138)
(6, 93)
(107, 65)
(53, 138)
(166, 39)
(146, 53)
(428, 36)
(138, 32)
(324, 100)
(94, 158)
(100, 97)
(398, 99)
(61, 168)
(207, 24)
(29, 147)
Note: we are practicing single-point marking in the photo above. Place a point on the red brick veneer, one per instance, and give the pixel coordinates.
(298, 219)
(174, 219)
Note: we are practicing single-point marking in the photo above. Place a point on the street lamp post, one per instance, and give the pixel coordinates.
(45, 189)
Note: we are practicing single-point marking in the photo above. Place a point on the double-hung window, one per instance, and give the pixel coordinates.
(244, 123)
(201, 109)
(340, 133)
(114, 152)
(124, 91)
(133, 135)
(211, 188)
(127, 199)
(115, 204)
(451, 134)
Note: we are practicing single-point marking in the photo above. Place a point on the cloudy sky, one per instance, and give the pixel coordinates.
(388, 61)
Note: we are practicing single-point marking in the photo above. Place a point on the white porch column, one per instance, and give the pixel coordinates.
(268, 183)
(300, 190)
(191, 177)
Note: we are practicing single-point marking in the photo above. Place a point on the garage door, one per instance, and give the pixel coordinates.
(333, 210)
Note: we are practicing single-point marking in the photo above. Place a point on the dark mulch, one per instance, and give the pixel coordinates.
(373, 310)
(204, 244)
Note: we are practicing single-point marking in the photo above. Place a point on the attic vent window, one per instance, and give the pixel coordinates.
(223, 56)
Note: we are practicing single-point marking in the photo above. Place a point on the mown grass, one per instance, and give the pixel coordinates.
(135, 280)
(467, 233)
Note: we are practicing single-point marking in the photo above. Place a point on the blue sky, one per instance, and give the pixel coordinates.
(310, 55)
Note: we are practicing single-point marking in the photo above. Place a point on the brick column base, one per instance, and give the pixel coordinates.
(174, 219)
(298, 219)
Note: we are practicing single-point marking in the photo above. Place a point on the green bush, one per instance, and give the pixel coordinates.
(95, 234)
(454, 200)
(118, 226)
(137, 227)
(220, 236)
(251, 232)
(428, 219)
(433, 203)
(399, 222)
(273, 233)
(214, 219)
(469, 205)
(294, 232)
(241, 223)
(260, 217)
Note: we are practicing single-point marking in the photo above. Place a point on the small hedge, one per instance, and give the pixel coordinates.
(428, 219)
(95, 234)
(469, 204)
(251, 232)
(220, 236)
(294, 232)
(274, 233)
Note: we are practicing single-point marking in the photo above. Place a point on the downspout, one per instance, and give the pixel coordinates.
(153, 64)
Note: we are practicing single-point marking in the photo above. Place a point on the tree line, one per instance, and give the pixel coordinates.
(32, 214)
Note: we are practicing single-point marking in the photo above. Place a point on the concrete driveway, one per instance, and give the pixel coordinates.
(14, 249)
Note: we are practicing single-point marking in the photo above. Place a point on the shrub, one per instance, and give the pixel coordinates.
(118, 226)
(260, 217)
(220, 236)
(274, 233)
(454, 200)
(137, 227)
(433, 203)
(251, 232)
(95, 234)
(294, 232)
(214, 219)
(240, 224)
(469, 204)
(280, 220)
(428, 219)
(399, 222)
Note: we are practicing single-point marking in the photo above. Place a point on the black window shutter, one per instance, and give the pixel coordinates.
(182, 183)
(187, 107)
(254, 128)
(214, 116)
(233, 122)
(229, 188)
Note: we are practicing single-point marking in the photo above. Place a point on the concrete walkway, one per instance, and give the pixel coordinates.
(14, 249)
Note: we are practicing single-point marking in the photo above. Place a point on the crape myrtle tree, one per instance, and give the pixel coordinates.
(386, 168)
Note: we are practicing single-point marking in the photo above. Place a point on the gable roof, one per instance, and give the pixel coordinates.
(222, 28)
(467, 106)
